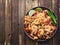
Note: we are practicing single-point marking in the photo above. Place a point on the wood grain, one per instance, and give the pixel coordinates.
(21, 21)
(2, 27)
(55, 6)
(7, 21)
(14, 28)
(31, 4)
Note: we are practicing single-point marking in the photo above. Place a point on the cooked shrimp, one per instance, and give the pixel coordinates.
(40, 15)
(47, 28)
(41, 32)
(34, 29)
(39, 25)
(36, 21)
(35, 37)
(27, 18)
(53, 27)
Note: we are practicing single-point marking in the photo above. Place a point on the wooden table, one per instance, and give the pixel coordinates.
(12, 13)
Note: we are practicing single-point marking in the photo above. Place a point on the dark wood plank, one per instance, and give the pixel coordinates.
(47, 4)
(56, 7)
(7, 21)
(31, 4)
(21, 21)
(2, 27)
(14, 29)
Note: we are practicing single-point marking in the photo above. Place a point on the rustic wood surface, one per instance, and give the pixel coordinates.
(2, 22)
(12, 14)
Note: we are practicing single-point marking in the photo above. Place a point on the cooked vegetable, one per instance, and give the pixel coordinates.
(52, 16)
(38, 9)
(31, 12)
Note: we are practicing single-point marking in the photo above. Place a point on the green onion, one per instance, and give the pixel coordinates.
(50, 13)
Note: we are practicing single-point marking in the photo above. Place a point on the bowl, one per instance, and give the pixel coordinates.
(44, 8)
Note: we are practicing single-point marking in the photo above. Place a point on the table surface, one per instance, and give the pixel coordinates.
(12, 13)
